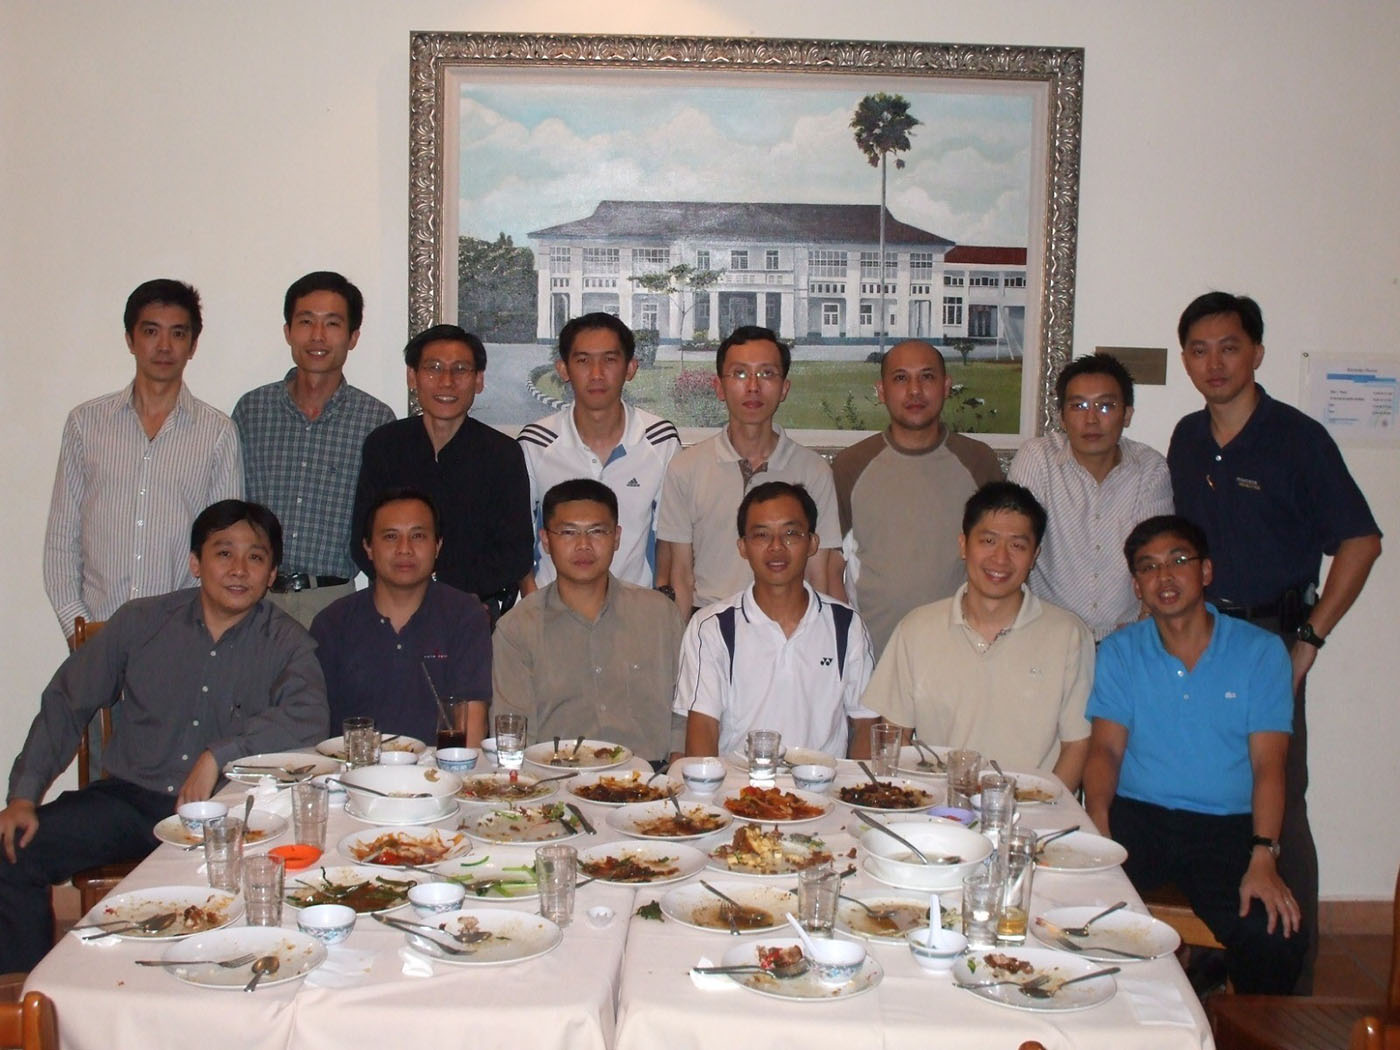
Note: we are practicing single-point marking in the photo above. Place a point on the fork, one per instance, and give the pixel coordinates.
(228, 964)
(151, 924)
(1034, 983)
(1060, 937)
(1047, 993)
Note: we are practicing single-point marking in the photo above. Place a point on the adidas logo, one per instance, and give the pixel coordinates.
(634, 484)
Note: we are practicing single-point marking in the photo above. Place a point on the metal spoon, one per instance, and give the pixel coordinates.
(228, 964)
(153, 924)
(556, 748)
(993, 763)
(247, 810)
(373, 791)
(739, 909)
(1083, 931)
(866, 770)
(883, 914)
(1046, 993)
(561, 776)
(573, 755)
(461, 937)
(262, 966)
(929, 761)
(867, 818)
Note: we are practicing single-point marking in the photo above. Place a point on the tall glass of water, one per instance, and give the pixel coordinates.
(765, 747)
(510, 740)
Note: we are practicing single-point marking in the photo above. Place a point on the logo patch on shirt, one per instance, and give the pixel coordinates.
(1229, 695)
(634, 484)
(826, 661)
(1248, 483)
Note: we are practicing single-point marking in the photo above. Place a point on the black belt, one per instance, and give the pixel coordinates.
(1289, 605)
(302, 581)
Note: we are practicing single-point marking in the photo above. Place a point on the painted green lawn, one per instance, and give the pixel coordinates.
(835, 395)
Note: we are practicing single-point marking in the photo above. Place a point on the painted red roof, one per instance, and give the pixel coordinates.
(994, 256)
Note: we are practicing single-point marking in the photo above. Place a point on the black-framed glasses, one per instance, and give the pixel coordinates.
(1152, 568)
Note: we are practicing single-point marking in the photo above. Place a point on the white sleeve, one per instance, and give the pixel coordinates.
(702, 684)
(860, 661)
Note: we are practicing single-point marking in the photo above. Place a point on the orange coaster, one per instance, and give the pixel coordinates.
(296, 857)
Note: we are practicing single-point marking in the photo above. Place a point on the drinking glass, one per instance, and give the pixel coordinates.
(556, 871)
(963, 766)
(981, 907)
(1016, 886)
(454, 735)
(310, 807)
(817, 890)
(262, 890)
(764, 748)
(223, 852)
(361, 741)
(998, 806)
(510, 741)
(884, 748)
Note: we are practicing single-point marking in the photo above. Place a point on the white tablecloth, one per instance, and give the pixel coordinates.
(625, 985)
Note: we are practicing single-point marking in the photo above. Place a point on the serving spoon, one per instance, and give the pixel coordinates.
(868, 819)
(375, 791)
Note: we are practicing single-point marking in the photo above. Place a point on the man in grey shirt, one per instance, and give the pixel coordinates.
(194, 679)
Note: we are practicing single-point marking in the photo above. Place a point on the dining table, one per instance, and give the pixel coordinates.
(620, 976)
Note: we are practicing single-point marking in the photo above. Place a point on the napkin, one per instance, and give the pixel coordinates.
(343, 967)
(1155, 1002)
(414, 965)
(90, 936)
(710, 982)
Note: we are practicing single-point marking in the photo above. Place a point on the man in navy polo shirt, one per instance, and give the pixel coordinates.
(1270, 489)
(1191, 713)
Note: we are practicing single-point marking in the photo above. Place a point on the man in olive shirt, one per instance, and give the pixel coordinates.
(590, 653)
(195, 679)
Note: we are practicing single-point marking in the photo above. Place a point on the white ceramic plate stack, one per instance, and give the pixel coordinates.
(400, 783)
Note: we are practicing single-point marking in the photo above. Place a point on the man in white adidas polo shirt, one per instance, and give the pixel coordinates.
(601, 437)
(777, 655)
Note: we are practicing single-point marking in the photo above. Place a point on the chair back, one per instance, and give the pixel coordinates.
(99, 731)
(30, 1024)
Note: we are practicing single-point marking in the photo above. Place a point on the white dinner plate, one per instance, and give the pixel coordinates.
(263, 826)
(494, 788)
(550, 822)
(222, 908)
(448, 806)
(697, 907)
(769, 854)
(805, 989)
(443, 843)
(1128, 931)
(592, 754)
(788, 757)
(651, 820)
(297, 955)
(624, 782)
(481, 875)
(926, 798)
(276, 762)
(907, 764)
(910, 911)
(1032, 789)
(343, 878)
(821, 803)
(972, 968)
(1081, 851)
(656, 862)
(515, 937)
(335, 746)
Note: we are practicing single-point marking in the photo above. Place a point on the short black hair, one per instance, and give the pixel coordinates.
(753, 333)
(589, 489)
(327, 281)
(1094, 365)
(413, 352)
(885, 357)
(393, 495)
(229, 512)
(1144, 532)
(771, 490)
(1213, 304)
(164, 291)
(588, 322)
(1004, 495)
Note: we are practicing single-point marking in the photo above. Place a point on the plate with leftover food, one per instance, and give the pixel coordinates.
(979, 967)
(634, 863)
(774, 806)
(590, 754)
(367, 890)
(659, 820)
(195, 909)
(412, 847)
(761, 906)
(768, 854)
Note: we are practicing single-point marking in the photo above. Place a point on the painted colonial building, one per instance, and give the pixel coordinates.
(809, 271)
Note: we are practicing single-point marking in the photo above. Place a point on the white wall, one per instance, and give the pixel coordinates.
(1250, 145)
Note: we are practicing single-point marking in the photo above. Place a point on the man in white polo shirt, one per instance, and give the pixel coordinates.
(705, 483)
(777, 655)
(601, 437)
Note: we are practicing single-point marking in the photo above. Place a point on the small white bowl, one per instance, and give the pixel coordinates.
(811, 777)
(456, 759)
(435, 898)
(703, 776)
(935, 949)
(328, 923)
(397, 758)
(193, 815)
(836, 961)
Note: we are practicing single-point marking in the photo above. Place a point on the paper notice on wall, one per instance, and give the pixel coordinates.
(1355, 396)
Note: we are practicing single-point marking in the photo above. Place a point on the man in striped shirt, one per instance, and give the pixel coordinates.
(135, 468)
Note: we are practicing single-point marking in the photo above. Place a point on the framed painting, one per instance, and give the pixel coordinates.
(847, 195)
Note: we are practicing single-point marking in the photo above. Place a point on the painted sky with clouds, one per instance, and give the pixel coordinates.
(545, 149)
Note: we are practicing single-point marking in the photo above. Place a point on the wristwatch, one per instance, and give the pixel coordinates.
(1269, 844)
(1306, 633)
(668, 591)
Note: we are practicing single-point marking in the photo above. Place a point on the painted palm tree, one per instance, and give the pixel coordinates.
(882, 124)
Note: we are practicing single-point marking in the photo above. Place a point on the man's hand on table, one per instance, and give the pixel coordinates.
(1262, 882)
(199, 785)
(18, 823)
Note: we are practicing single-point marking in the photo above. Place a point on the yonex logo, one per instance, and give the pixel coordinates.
(826, 661)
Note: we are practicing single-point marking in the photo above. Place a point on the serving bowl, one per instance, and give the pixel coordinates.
(891, 862)
(400, 783)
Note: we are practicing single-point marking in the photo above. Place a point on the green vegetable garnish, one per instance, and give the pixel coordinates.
(651, 911)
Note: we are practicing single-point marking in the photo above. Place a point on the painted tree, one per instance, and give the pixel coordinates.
(682, 283)
(882, 124)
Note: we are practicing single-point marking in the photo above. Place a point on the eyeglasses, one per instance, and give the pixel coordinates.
(1103, 408)
(1152, 568)
(572, 534)
(438, 369)
(788, 537)
(763, 375)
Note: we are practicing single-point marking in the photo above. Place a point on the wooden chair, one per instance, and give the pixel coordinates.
(30, 1024)
(95, 883)
(1170, 905)
(1281, 1022)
